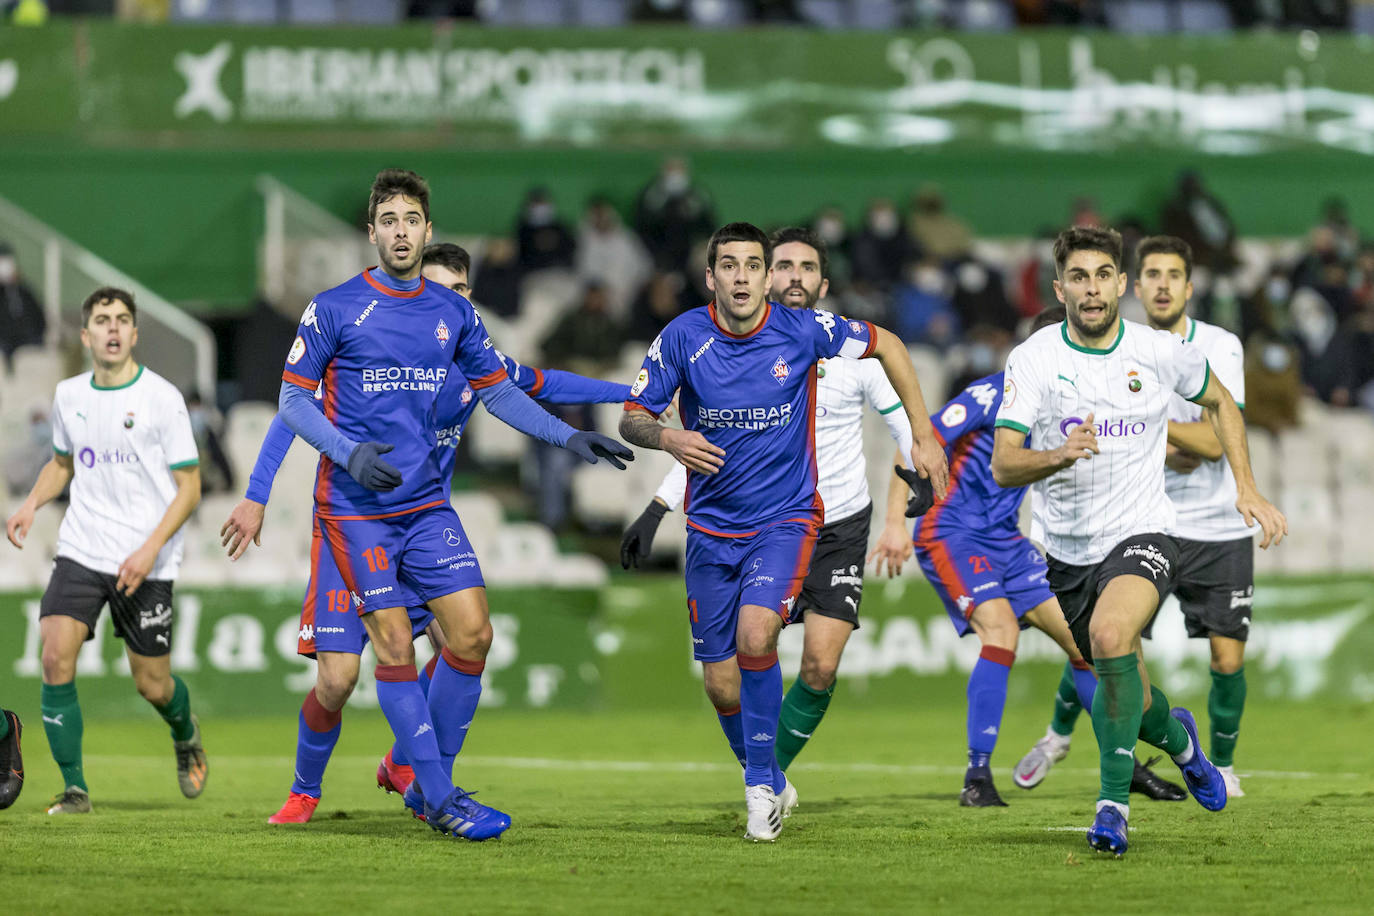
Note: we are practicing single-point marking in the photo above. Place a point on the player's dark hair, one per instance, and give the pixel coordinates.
(1085, 238)
(1165, 244)
(108, 294)
(390, 182)
(1048, 317)
(738, 232)
(449, 255)
(807, 237)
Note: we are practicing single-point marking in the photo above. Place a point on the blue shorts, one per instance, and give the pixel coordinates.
(426, 551)
(966, 571)
(328, 621)
(725, 573)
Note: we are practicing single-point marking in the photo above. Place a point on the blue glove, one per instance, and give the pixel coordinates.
(366, 466)
(591, 446)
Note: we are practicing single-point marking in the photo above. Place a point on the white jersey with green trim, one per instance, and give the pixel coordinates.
(843, 386)
(124, 442)
(1205, 499)
(1053, 385)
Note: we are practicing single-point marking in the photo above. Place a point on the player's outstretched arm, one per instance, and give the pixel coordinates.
(1221, 411)
(1013, 465)
(52, 480)
(363, 461)
(139, 564)
(689, 447)
(928, 455)
(505, 401)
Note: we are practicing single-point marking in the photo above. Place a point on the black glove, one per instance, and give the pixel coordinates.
(922, 492)
(591, 446)
(366, 466)
(639, 537)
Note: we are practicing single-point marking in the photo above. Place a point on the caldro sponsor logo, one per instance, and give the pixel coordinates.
(1105, 429)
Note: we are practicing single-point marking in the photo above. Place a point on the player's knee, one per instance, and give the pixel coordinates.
(1227, 663)
(1109, 639)
(156, 689)
(57, 668)
(722, 696)
(818, 673)
(332, 689)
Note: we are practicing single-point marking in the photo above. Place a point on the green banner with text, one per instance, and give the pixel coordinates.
(416, 86)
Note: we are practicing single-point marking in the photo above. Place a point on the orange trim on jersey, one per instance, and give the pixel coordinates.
(538, 381)
(323, 490)
(948, 572)
(799, 573)
(818, 504)
(338, 547)
(963, 451)
(872, 340)
(728, 711)
(491, 378)
(395, 293)
(632, 405)
(748, 534)
(939, 437)
(767, 310)
(304, 646)
(368, 518)
(300, 381)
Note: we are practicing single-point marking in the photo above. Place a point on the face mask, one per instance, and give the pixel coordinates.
(980, 358)
(675, 182)
(8, 270)
(883, 223)
(540, 214)
(1275, 357)
(830, 230)
(1277, 289)
(930, 280)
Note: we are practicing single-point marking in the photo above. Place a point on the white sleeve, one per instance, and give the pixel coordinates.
(1191, 365)
(673, 490)
(178, 442)
(883, 398)
(61, 441)
(1023, 390)
(1227, 360)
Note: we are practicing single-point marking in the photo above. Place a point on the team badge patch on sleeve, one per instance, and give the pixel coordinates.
(441, 333)
(781, 370)
(641, 382)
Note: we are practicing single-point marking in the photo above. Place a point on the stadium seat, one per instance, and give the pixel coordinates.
(875, 14)
(1204, 16)
(984, 16)
(376, 12)
(312, 12)
(524, 12)
(601, 13)
(254, 11)
(828, 14)
(717, 13)
(1362, 19)
(36, 368)
(199, 10)
(1139, 16)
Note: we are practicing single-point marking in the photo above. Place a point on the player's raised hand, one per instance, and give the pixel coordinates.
(1256, 509)
(1082, 441)
(367, 467)
(928, 457)
(894, 547)
(591, 447)
(17, 528)
(693, 450)
(638, 539)
(135, 569)
(244, 525)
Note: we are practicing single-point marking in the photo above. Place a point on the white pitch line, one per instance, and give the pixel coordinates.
(671, 766)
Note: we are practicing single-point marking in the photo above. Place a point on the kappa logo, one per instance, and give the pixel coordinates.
(789, 603)
(701, 350)
(424, 727)
(203, 92)
(984, 395)
(781, 370)
(309, 319)
(307, 633)
(826, 320)
(656, 351)
(358, 322)
(357, 602)
(761, 736)
(963, 601)
(441, 334)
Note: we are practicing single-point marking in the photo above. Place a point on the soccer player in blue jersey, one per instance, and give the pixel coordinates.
(330, 631)
(989, 577)
(381, 346)
(745, 374)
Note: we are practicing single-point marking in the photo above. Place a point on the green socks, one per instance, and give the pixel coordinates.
(802, 710)
(1117, 708)
(1159, 728)
(62, 722)
(1225, 704)
(177, 712)
(1066, 705)
(4, 726)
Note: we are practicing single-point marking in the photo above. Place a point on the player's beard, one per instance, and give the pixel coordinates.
(1165, 322)
(808, 303)
(399, 267)
(1098, 327)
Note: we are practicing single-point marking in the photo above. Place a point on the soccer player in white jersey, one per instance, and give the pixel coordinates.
(122, 439)
(1094, 394)
(1216, 577)
(833, 588)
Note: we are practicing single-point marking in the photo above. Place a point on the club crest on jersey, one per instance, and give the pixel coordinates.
(441, 333)
(1133, 382)
(856, 327)
(781, 370)
(129, 420)
(466, 396)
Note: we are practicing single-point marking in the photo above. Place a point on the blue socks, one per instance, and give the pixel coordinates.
(1084, 681)
(760, 697)
(453, 696)
(403, 703)
(317, 733)
(732, 723)
(987, 697)
(398, 756)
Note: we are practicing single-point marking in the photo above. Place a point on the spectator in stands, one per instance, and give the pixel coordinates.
(543, 241)
(207, 425)
(1273, 384)
(26, 459)
(882, 246)
(922, 305)
(610, 253)
(1035, 280)
(1346, 236)
(980, 298)
(661, 301)
(496, 281)
(1059, 12)
(1362, 278)
(1084, 212)
(1199, 217)
(441, 9)
(934, 229)
(659, 11)
(1266, 309)
(586, 334)
(672, 214)
(829, 224)
(22, 322)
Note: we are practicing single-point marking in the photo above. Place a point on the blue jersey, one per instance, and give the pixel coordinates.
(383, 355)
(754, 396)
(975, 503)
(452, 410)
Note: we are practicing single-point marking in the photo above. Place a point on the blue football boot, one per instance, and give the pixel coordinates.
(460, 816)
(1108, 832)
(414, 800)
(1204, 780)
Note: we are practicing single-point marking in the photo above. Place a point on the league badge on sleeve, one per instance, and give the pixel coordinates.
(441, 333)
(297, 351)
(641, 382)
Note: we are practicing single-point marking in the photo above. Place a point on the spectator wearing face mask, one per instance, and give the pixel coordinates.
(542, 240)
(22, 322)
(922, 305)
(672, 214)
(609, 252)
(881, 246)
(1198, 216)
